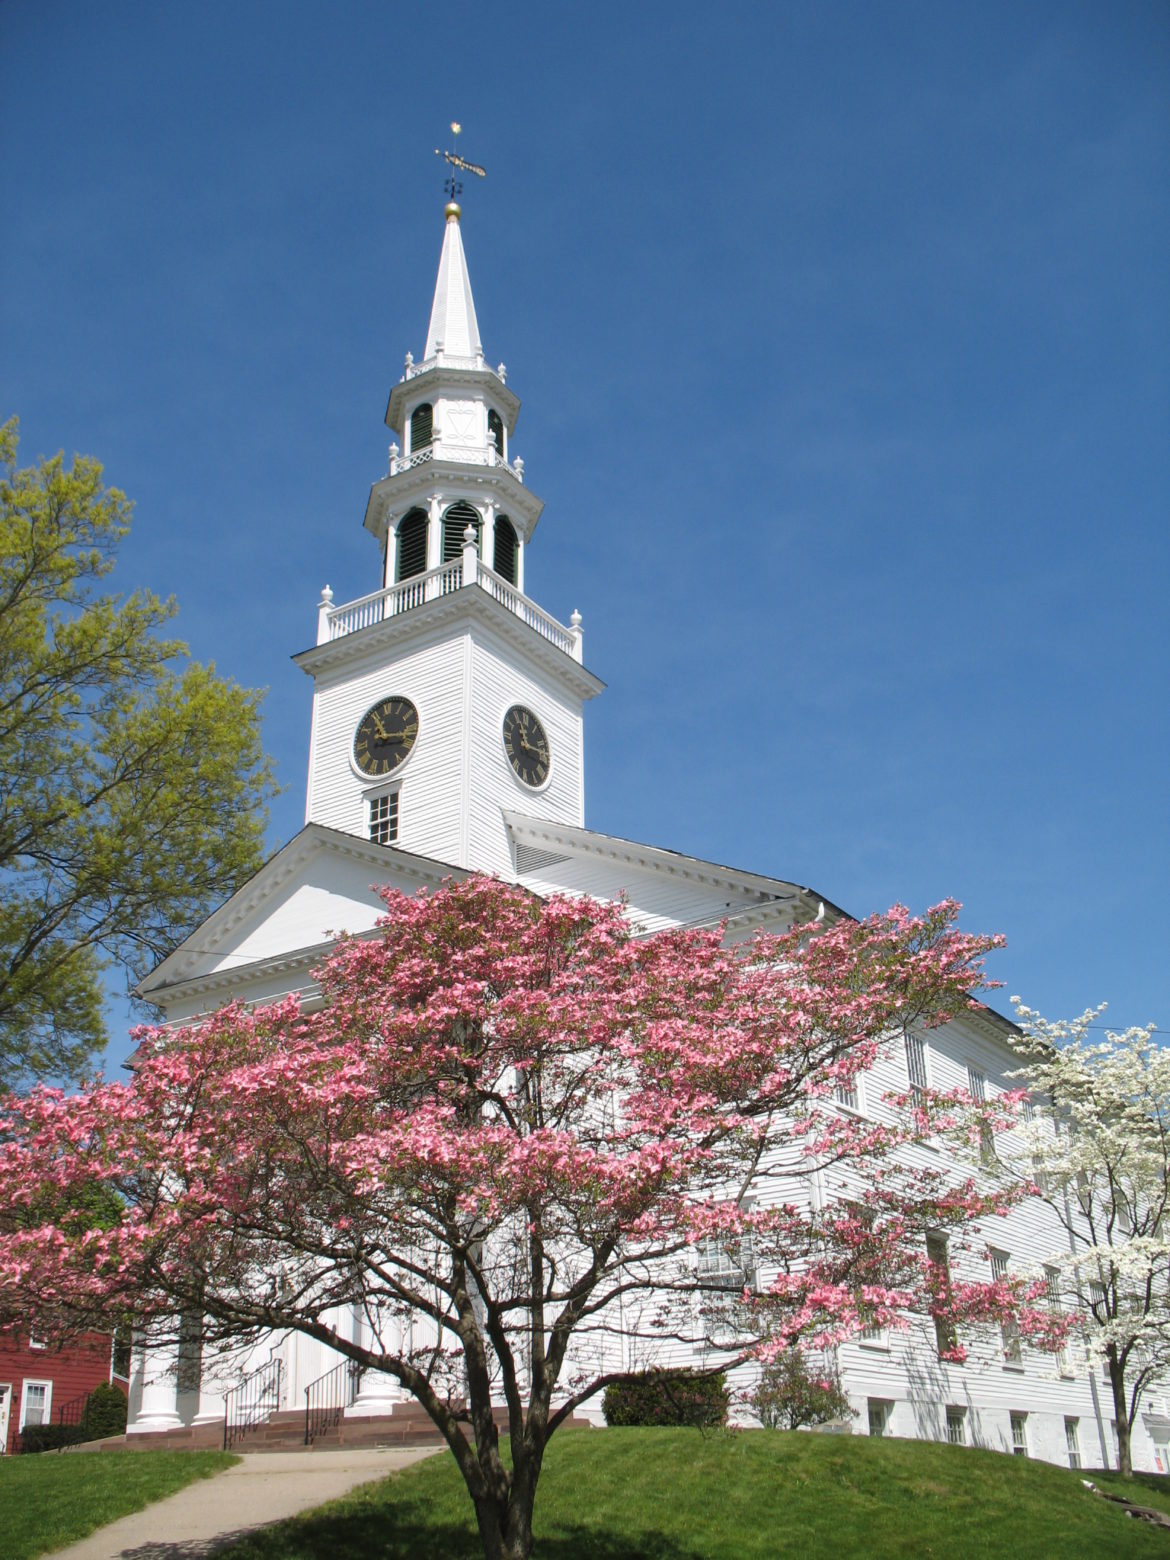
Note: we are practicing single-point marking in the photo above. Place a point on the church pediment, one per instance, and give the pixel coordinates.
(322, 883)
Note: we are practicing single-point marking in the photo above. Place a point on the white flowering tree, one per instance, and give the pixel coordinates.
(1095, 1142)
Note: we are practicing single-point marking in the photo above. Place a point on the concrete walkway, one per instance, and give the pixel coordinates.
(264, 1487)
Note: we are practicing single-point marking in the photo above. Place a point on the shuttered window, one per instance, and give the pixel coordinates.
(496, 432)
(412, 544)
(455, 522)
(507, 549)
(422, 421)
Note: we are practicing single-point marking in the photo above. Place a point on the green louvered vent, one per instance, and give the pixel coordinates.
(412, 544)
(422, 421)
(455, 522)
(507, 548)
(496, 432)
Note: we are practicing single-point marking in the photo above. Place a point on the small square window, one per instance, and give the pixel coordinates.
(384, 818)
(1019, 1435)
(846, 1094)
(956, 1426)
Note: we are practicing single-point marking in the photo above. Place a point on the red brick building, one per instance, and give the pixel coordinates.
(39, 1380)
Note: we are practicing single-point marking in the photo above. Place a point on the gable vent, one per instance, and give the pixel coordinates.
(529, 858)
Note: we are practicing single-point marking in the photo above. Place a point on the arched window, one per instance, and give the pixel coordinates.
(412, 544)
(455, 522)
(422, 421)
(507, 549)
(496, 432)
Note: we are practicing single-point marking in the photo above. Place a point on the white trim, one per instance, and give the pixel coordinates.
(35, 1381)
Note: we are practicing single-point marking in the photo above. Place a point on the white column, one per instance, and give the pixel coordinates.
(519, 563)
(434, 532)
(378, 1392)
(159, 1401)
(391, 554)
(488, 550)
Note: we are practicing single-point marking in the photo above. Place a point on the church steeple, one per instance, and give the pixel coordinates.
(454, 330)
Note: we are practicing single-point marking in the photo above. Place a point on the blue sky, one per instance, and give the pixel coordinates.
(842, 334)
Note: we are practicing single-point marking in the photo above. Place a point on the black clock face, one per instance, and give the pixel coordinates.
(385, 736)
(526, 745)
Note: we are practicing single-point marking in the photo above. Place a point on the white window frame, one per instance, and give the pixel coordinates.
(1019, 1422)
(879, 1412)
(1072, 1440)
(34, 1381)
(848, 1096)
(956, 1418)
(1052, 1288)
(914, 1049)
(1009, 1332)
(394, 809)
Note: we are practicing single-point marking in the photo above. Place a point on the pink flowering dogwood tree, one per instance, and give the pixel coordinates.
(519, 1127)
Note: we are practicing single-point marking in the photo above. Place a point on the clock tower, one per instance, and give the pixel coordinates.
(446, 699)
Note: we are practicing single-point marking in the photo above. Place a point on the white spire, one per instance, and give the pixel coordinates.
(453, 328)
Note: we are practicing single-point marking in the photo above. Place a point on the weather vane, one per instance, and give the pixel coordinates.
(452, 185)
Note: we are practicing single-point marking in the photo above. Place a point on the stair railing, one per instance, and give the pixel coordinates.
(327, 1398)
(250, 1402)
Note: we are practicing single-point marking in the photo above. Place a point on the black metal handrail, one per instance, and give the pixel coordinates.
(327, 1398)
(75, 1412)
(249, 1404)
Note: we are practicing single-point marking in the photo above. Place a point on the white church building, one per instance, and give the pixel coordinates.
(447, 737)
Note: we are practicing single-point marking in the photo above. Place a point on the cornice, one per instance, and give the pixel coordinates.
(422, 387)
(468, 603)
(460, 479)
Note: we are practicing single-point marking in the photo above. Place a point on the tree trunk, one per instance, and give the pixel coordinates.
(510, 1539)
(1120, 1414)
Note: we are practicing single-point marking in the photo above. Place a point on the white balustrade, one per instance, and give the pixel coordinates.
(466, 570)
(458, 453)
(443, 359)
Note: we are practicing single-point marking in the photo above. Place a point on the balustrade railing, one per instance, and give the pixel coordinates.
(459, 453)
(338, 622)
(327, 1398)
(251, 1402)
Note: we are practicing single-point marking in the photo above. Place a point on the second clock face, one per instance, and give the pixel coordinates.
(385, 736)
(526, 745)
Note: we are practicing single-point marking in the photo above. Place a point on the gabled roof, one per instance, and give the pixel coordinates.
(284, 917)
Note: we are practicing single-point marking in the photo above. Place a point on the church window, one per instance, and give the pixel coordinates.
(916, 1066)
(846, 1094)
(422, 422)
(496, 432)
(1072, 1440)
(956, 1425)
(1009, 1330)
(455, 522)
(412, 544)
(944, 1327)
(507, 549)
(384, 818)
(880, 1410)
(1019, 1435)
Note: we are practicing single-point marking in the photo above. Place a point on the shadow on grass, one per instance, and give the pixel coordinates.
(408, 1536)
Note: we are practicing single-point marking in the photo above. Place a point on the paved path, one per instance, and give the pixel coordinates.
(264, 1487)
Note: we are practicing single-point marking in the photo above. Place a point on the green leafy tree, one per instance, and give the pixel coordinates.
(133, 785)
(789, 1395)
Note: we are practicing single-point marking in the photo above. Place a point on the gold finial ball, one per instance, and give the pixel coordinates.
(452, 211)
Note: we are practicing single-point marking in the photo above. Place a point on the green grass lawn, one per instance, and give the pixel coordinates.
(756, 1495)
(49, 1501)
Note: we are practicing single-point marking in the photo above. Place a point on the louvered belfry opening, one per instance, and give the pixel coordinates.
(412, 544)
(507, 549)
(422, 422)
(455, 522)
(496, 432)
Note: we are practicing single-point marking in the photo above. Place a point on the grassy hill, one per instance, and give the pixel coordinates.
(755, 1495)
